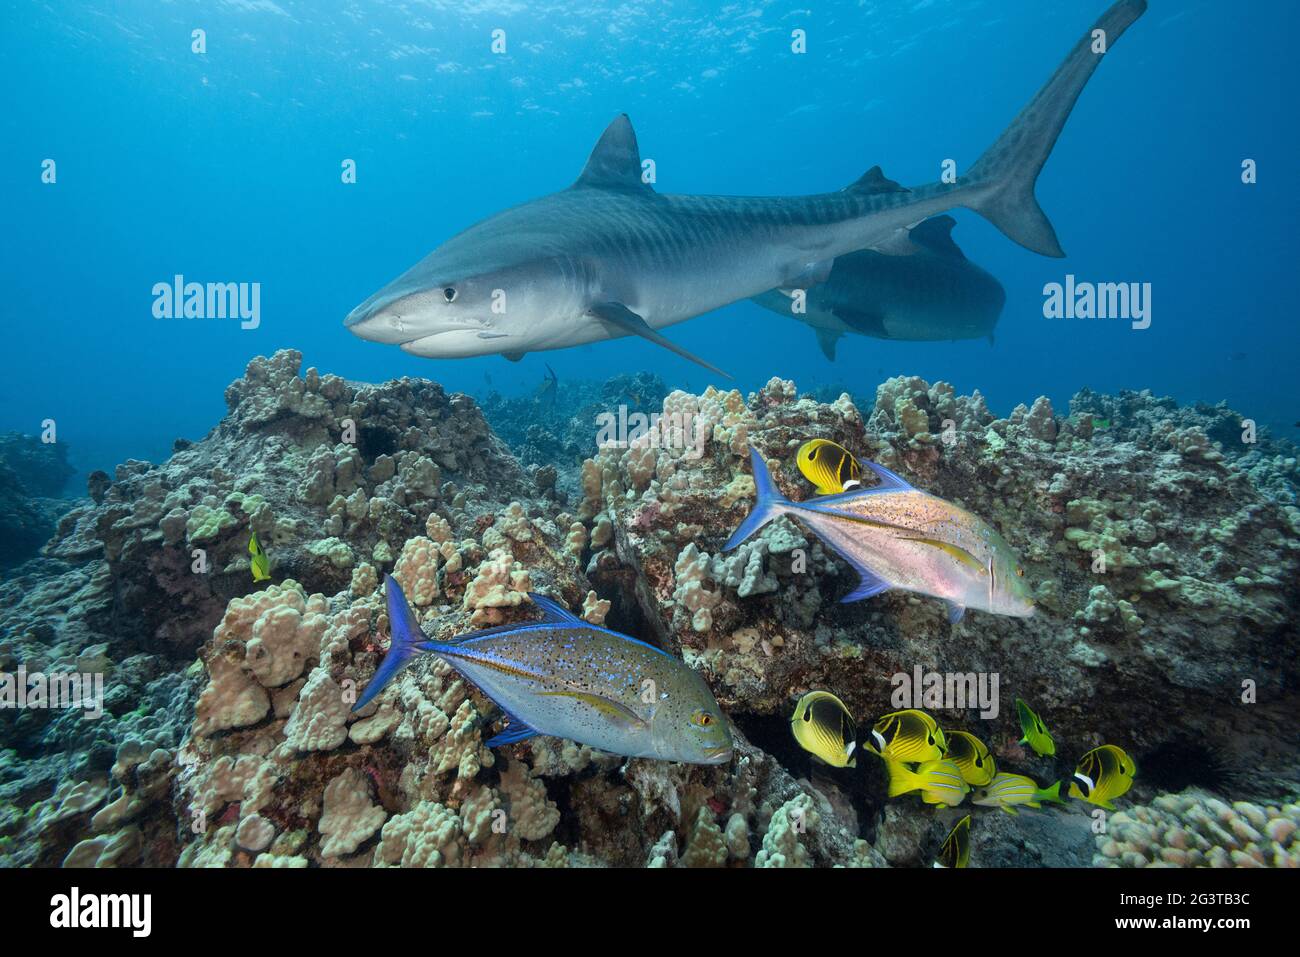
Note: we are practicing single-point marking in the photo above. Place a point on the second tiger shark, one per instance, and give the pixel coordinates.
(611, 257)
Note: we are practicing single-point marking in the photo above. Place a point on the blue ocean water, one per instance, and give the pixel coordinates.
(226, 166)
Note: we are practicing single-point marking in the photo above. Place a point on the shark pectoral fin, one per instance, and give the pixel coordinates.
(826, 338)
(955, 611)
(935, 234)
(627, 321)
(514, 356)
(862, 321)
(620, 715)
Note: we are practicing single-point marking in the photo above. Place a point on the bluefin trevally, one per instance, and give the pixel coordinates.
(930, 292)
(565, 677)
(610, 256)
(896, 536)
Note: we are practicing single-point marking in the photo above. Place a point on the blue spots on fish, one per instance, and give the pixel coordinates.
(565, 677)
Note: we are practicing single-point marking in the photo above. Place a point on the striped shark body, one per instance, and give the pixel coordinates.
(611, 257)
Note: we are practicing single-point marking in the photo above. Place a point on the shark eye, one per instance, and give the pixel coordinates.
(449, 293)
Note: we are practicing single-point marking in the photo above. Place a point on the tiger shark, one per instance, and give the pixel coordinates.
(932, 293)
(611, 257)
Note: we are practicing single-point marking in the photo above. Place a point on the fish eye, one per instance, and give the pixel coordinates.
(449, 293)
(702, 718)
(1020, 572)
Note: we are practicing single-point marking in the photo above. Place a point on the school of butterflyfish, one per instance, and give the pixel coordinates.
(944, 766)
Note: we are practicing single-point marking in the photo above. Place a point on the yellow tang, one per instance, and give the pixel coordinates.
(971, 755)
(825, 729)
(956, 846)
(260, 564)
(1036, 734)
(938, 781)
(1103, 774)
(832, 468)
(910, 736)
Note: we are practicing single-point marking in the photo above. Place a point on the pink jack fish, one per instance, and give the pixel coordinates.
(896, 536)
(565, 677)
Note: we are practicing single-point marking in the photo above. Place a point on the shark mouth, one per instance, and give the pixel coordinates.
(455, 343)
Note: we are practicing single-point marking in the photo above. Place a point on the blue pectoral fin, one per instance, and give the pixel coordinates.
(405, 642)
(955, 611)
(871, 583)
(515, 730)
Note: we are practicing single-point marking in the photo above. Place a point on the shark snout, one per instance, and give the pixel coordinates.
(379, 320)
(357, 316)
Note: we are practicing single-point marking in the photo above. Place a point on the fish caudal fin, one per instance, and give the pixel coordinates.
(1003, 178)
(1051, 794)
(901, 780)
(405, 642)
(770, 504)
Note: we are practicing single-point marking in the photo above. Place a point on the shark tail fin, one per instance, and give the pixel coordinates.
(769, 505)
(1003, 178)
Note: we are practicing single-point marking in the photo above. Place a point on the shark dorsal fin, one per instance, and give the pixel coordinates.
(875, 181)
(615, 161)
(935, 234)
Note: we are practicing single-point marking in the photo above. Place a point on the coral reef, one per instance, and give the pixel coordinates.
(1163, 566)
(1161, 570)
(1195, 829)
(33, 475)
